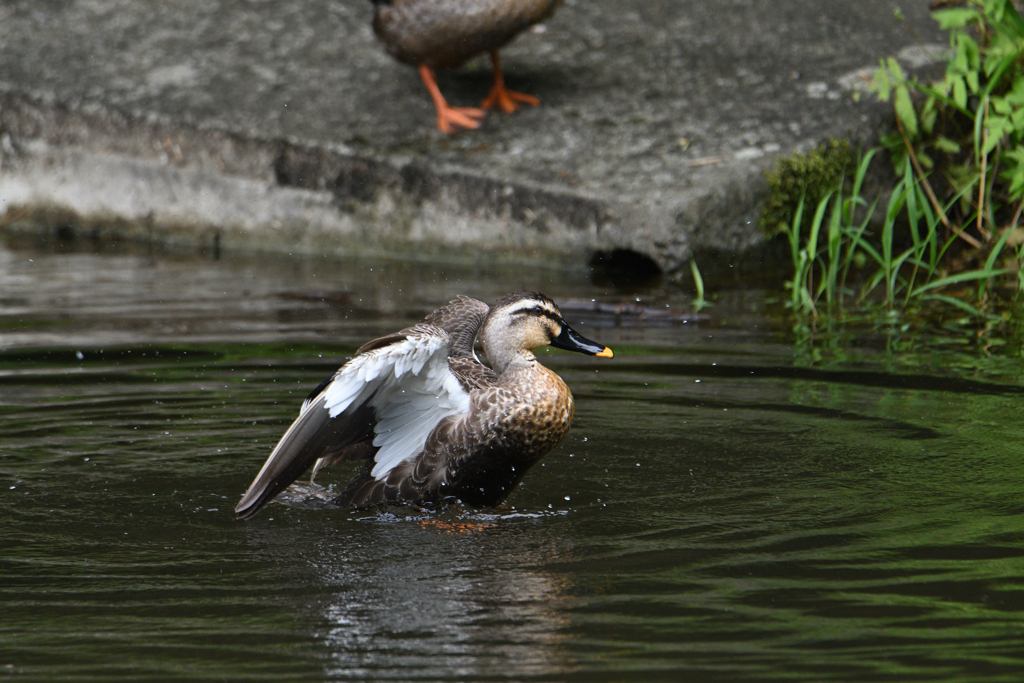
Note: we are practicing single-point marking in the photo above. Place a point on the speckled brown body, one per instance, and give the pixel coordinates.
(543, 411)
(442, 34)
(515, 422)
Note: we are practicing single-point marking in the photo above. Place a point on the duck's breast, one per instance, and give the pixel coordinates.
(507, 433)
(445, 33)
(542, 414)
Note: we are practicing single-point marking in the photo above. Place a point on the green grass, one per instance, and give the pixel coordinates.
(848, 257)
(946, 241)
(699, 302)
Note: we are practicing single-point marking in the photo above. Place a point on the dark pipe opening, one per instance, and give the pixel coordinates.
(623, 268)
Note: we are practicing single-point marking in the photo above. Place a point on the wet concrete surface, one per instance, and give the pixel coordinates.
(285, 124)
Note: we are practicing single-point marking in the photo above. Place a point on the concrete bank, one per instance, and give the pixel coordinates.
(285, 125)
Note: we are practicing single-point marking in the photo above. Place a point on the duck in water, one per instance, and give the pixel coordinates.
(430, 419)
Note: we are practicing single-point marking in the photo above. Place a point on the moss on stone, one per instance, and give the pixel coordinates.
(811, 175)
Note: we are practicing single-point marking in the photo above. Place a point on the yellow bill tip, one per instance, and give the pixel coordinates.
(606, 353)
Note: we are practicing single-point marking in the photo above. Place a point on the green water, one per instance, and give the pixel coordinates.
(722, 510)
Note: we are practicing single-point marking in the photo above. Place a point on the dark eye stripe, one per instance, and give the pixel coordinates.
(531, 310)
(551, 316)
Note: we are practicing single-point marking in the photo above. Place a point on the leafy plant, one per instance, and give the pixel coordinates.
(949, 233)
(968, 126)
(699, 302)
(836, 244)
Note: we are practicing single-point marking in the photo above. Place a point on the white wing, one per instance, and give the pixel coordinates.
(405, 384)
(410, 388)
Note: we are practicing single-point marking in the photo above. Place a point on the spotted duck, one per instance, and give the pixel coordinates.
(443, 34)
(432, 421)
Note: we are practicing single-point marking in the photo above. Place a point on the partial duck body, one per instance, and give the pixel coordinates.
(443, 34)
(432, 421)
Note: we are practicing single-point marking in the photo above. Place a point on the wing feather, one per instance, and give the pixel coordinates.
(461, 319)
(410, 410)
(311, 436)
(402, 389)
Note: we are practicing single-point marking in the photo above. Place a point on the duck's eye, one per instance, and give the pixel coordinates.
(538, 310)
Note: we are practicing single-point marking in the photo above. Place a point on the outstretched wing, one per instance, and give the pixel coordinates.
(416, 391)
(396, 391)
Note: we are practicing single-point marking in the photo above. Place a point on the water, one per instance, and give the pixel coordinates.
(722, 510)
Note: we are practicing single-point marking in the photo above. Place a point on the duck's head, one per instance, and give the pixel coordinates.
(522, 321)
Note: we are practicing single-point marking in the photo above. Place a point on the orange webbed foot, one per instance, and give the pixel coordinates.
(501, 97)
(507, 100)
(451, 119)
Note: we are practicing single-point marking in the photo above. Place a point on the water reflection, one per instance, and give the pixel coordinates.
(85, 300)
(450, 595)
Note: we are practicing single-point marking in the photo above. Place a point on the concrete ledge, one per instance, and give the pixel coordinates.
(660, 151)
(104, 166)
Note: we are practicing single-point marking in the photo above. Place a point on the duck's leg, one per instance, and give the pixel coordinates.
(449, 119)
(500, 96)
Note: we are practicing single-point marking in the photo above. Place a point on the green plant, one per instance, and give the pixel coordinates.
(968, 126)
(836, 243)
(699, 302)
(808, 177)
(949, 233)
(842, 238)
